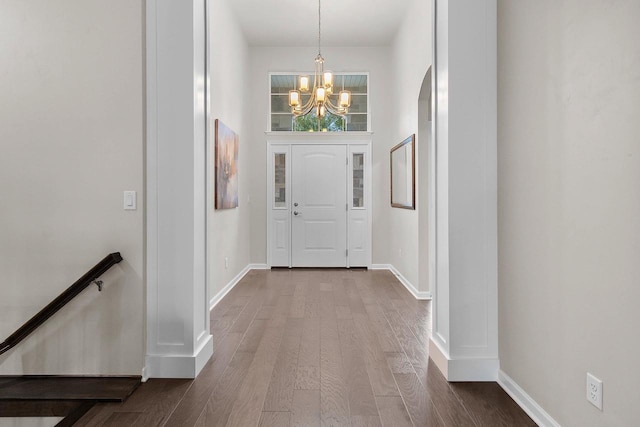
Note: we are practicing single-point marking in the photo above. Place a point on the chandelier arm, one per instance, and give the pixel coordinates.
(335, 109)
(331, 104)
(307, 110)
(309, 104)
(331, 109)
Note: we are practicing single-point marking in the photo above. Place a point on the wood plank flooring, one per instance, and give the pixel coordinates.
(316, 347)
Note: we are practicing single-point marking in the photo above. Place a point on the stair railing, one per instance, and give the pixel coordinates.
(70, 293)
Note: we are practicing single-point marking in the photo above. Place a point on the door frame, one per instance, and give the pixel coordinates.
(350, 140)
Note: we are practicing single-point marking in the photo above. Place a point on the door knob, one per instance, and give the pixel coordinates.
(296, 213)
(295, 204)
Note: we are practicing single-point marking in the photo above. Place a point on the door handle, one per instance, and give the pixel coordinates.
(296, 213)
(295, 204)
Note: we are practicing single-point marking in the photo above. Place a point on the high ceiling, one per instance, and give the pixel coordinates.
(295, 22)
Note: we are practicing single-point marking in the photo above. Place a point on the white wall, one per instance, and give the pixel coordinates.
(71, 138)
(411, 58)
(297, 59)
(569, 204)
(228, 229)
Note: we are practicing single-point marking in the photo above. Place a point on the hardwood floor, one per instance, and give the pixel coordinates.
(316, 348)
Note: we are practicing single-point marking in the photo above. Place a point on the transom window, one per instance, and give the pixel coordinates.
(281, 118)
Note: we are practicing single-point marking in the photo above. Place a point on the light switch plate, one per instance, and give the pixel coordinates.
(130, 201)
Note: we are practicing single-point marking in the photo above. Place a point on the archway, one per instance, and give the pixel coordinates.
(426, 185)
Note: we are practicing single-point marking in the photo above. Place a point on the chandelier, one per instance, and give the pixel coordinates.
(322, 97)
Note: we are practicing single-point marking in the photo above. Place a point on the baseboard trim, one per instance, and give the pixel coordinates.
(439, 356)
(258, 267)
(528, 405)
(224, 291)
(380, 267)
(407, 284)
(479, 369)
(180, 366)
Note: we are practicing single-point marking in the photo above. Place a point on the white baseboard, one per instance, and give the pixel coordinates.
(258, 267)
(180, 366)
(407, 284)
(528, 405)
(380, 267)
(463, 369)
(224, 291)
(439, 356)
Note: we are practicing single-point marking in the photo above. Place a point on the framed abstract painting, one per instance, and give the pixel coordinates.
(226, 162)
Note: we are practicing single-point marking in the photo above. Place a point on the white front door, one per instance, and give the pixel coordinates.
(319, 206)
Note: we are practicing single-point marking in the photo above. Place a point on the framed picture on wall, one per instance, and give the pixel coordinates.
(403, 174)
(226, 167)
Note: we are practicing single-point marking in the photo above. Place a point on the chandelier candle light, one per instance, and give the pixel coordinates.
(322, 90)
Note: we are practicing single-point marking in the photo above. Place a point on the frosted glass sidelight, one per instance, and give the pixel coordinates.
(358, 180)
(279, 177)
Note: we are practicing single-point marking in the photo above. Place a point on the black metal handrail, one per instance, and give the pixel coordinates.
(52, 308)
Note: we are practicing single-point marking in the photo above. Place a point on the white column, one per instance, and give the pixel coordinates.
(178, 338)
(465, 333)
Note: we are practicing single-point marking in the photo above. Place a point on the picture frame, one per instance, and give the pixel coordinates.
(226, 167)
(403, 174)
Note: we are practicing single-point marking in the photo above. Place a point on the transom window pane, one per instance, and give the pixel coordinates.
(281, 118)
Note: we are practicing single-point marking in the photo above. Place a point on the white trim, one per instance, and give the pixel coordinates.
(466, 192)
(473, 369)
(528, 405)
(285, 137)
(439, 355)
(144, 375)
(463, 369)
(151, 178)
(177, 319)
(224, 291)
(217, 297)
(407, 284)
(433, 176)
(179, 366)
(380, 267)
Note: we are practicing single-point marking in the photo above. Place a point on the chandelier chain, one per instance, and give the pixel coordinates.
(319, 19)
(320, 96)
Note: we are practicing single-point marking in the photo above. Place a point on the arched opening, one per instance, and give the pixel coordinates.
(425, 180)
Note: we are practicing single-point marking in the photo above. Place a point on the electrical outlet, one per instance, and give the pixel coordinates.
(594, 391)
